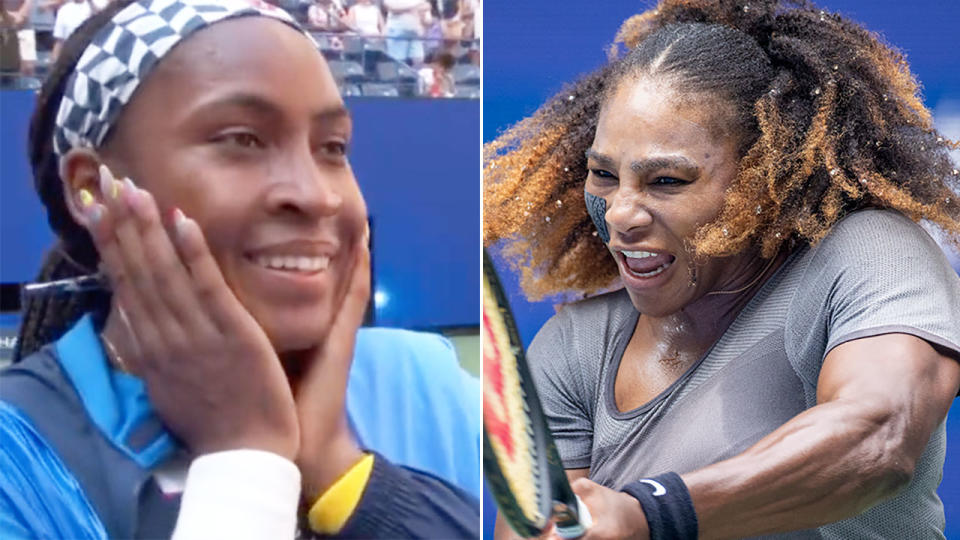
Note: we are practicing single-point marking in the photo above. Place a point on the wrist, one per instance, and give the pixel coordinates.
(331, 511)
(666, 506)
(321, 465)
(282, 446)
(633, 517)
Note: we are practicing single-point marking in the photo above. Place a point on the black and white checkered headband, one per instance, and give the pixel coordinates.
(125, 51)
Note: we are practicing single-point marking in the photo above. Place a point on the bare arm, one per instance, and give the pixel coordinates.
(23, 13)
(879, 400)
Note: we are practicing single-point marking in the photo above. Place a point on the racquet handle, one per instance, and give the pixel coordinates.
(576, 531)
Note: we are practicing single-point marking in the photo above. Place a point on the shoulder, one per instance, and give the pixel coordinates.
(569, 351)
(584, 328)
(582, 318)
(37, 384)
(875, 272)
(879, 248)
(875, 250)
(875, 231)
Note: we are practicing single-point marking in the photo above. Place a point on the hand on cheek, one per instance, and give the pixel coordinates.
(328, 447)
(210, 370)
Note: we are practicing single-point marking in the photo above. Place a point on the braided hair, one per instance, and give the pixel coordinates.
(47, 318)
(830, 121)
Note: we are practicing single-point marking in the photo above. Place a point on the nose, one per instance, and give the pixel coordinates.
(628, 213)
(301, 185)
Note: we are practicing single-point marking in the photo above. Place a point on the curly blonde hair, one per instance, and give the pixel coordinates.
(830, 121)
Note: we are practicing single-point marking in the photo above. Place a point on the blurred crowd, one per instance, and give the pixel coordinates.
(437, 41)
(33, 30)
(423, 19)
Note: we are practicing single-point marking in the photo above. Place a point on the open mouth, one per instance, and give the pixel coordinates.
(646, 264)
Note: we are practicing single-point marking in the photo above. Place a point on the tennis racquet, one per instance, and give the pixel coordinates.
(520, 460)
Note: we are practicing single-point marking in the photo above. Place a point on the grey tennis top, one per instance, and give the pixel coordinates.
(875, 273)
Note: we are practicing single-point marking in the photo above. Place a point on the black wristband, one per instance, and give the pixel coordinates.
(668, 507)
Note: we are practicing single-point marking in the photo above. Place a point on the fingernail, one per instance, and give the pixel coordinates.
(128, 183)
(86, 198)
(107, 182)
(179, 221)
(95, 213)
(135, 198)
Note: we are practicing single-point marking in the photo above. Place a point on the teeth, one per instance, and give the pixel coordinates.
(652, 273)
(294, 263)
(638, 254)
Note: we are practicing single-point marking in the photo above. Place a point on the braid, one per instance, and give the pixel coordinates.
(46, 319)
(830, 121)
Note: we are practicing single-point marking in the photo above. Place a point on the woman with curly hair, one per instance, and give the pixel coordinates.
(781, 350)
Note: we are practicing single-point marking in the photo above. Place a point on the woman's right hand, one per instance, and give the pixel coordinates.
(210, 370)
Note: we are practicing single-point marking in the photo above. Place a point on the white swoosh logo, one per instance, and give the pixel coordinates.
(658, 488)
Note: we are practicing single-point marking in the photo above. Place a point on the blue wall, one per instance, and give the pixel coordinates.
(417, 164)
(532, 48)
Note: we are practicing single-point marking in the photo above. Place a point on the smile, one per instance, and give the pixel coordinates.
(294, 263)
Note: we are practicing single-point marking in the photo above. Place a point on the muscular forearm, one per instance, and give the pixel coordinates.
(880, 400)
(829, 463)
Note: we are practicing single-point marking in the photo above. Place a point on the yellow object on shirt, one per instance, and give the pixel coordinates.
(332, 510)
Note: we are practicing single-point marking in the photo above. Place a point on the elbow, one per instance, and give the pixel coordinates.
(891, 463)
(883, 483)
(880, 459)
(894, 473)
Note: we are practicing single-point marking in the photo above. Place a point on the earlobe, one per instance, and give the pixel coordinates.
(79, 172)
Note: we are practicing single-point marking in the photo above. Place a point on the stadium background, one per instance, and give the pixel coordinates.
(532, 48)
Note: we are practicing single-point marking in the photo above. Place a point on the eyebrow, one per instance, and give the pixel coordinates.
(647, 165)
(265, 107)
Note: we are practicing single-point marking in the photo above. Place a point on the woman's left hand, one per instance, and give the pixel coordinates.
(327, 445)
(615, 514)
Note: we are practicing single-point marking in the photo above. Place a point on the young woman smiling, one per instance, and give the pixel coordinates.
(785, 345)
(226, 338)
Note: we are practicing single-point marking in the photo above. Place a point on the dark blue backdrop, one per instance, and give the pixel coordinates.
(532, 48)
(416, 162)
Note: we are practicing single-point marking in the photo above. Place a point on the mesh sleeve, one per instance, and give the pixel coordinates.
(877, 273)
(562, 391)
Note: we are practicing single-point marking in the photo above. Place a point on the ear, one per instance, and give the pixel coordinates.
(80, 169)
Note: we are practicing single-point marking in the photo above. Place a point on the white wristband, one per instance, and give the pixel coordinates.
(239, 494)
